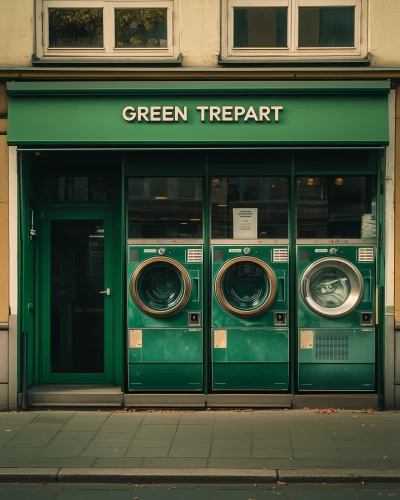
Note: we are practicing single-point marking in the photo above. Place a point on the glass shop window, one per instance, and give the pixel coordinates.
(165, 207)
(336, 207)
(249, 207)
(76, 189)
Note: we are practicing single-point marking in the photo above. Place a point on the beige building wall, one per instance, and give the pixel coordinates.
(199, 32)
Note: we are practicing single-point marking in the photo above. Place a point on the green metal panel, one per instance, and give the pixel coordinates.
(165, 353)
(250, 376)
(339, 346)
(198, 87)
(347, 113)
(330, 377)
(252, 358)
(28, 317)
(166, 377)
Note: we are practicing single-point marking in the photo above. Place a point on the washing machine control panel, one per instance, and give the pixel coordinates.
(366, 319)
(161, 251)
(280, 318)
(246, 251)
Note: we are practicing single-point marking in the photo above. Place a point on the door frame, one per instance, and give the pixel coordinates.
(75, 213)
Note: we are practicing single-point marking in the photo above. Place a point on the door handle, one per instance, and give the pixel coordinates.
(106, 292)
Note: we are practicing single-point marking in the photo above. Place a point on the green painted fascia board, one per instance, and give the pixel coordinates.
(16, 89)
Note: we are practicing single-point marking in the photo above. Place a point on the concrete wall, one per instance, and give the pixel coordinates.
(200, 32)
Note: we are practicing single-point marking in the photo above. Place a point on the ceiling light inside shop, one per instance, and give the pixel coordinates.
(310, 181)
(161, 198)
(221, 205)
(339, 181)
(195, 220)
(183, 222)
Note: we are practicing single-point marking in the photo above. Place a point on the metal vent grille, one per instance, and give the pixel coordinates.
(280, 255)
(195, 255)
(365, 255)
(332, 346)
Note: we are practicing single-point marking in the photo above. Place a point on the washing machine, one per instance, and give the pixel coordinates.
(250, 317)
(165, 317)
(336, 317)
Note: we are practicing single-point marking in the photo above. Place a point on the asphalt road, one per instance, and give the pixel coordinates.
(199, 492)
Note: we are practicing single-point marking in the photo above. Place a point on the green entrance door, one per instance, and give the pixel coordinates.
(77, 297)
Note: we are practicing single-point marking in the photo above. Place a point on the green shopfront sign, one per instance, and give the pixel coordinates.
(185, 113)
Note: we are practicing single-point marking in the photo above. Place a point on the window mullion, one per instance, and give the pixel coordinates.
(108, 27)
(294, 23)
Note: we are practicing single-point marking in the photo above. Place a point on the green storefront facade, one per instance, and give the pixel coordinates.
(277, 174)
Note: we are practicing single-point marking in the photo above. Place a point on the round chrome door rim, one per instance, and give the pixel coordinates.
(187, 287)
(356, 287)
(273, 283)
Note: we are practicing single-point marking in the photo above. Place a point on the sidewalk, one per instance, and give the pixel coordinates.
(176, 446)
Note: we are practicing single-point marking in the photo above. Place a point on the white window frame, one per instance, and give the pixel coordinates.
(293, 51)
(108, 51)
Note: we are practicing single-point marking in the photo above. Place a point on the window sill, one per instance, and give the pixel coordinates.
(362, 61)
(106, 63)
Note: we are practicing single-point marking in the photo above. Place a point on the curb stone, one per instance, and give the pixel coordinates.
(195, 476)
(339, 475)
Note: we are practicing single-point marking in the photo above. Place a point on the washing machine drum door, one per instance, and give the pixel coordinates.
(160, 287)
(245, 286)
(332, 287)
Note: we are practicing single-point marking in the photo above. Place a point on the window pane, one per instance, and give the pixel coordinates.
(92, 189)
(326, 26)
(260, 27)
(140, 28)
(336, 207)
(167, 207)
(75, 28)
(269, 195)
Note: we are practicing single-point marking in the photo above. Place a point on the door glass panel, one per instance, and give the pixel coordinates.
(336, 207)
(165, 207)
(77, 307)
(260, 27)
(160, 286)
(245, 286)
(75, 28)
(267, 195)
(330, 287)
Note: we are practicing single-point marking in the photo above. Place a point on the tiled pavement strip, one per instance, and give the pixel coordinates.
(208, 440)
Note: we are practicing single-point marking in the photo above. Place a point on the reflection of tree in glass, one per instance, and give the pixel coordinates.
(76, 28)
(140, 28)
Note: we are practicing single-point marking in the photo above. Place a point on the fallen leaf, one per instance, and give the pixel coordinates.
(362, 483)
(7, 430)
(392, 495)
(385, 457)
(256, 485)
(369, 410)
(281, 482)
(372, 425)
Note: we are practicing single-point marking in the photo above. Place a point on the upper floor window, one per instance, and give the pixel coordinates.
(281, 29)
(106, 29)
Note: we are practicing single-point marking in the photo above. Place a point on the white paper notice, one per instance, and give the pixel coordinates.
(220, 339)
(306, 339)
(135, 339)
(244, 223)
